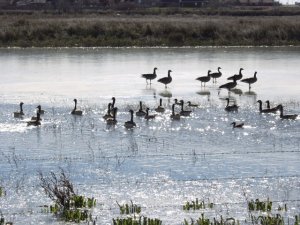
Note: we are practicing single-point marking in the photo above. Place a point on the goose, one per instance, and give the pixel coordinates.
(173, 115)
(250, 80)
(184, 112)
(150, 76)
(160, 108)
(288, 117)
(166, 80)
(36, 121)
(192, 105)
(273, 110)
(235, 125)
(263, 110)
(140, 112)
(20, 113)
(231, 108)
(147, 116)
(204, 79)
(236, 76)
(216, 75)
(130, 124)
(108, 115)
(113, 103)
(112, 120)
(229, 85)
(40, 111)
(76, 111)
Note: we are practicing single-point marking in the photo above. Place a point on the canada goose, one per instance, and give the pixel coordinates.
(112, 120)
(173, 115)
(263, 110)
(40, 111)
(229, 85)
(166, 80)
(204, 79)
(272, 110)
(35, 122)
(108, 114)
(150, 76)
(112, 106)
(130, 124)
(147, 116)
(250, 80)
(160, 108)
(140, 112)
(235, 125)
(216, 75)
(76, 111)
(20, 113)
(236, 76)
(184, 112)
(288, 117)
(192, 105)
(231, 108)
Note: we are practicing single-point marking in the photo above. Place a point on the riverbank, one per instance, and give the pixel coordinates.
(115, 29)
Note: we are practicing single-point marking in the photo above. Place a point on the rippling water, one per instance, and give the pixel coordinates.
(160, 164)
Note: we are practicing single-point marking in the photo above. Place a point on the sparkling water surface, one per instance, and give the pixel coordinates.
(161, 163)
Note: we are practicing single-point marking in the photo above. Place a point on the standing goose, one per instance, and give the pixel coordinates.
(184, 112)
(263, 110)
(287, 117)
(147, 116)
(36, 121)
(160, 108)
(20, 113)
(173, 115)
(236, 76)
(150, 76)
(229, 85)
(76, 111)
(231, 108)
(112, 120)
(166, 80)
(130, 124)
(216, 75)
(273, 110)
(108, 114)
(235, 125)
(204, 79)
(250, 80)
(140, 112)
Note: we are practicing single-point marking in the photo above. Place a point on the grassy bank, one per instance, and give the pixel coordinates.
(151, 30)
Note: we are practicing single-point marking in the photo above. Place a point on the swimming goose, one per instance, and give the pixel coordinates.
(112, 120)
(274, 109)
(166, 80)
(216, 75)
(160, 108)
(235, 125)
(130, 124)
(192, 105)
(204, 79)
(250, 80)
(263, 110)
(35, 122)
(150, 76)
(173, 115)
(231, 108)
(140, 112)
(236, 76)
(76, 111)
(108, 114)
(20, 113)
(147, 116)
(288, 117)
(113, 103)
(40, 111)
(229, 85)
(184, 112)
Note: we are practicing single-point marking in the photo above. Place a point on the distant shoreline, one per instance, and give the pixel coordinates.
(118, 29)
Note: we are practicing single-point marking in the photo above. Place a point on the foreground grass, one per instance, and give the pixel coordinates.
(146, 30)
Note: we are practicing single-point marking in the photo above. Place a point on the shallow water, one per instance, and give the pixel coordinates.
(160, 164)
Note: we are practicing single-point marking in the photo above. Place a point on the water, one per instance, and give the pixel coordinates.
(160, 164)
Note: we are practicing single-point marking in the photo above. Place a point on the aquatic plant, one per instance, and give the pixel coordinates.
(142, 220)
(205, 221)
(1, 191)
(196, 205)
(68, 205)
(129, 209)
(268, 220)
(258, 205)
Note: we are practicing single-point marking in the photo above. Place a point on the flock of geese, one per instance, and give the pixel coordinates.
(111, 115)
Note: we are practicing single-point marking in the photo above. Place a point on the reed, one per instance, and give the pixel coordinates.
(196, 205)
(137, 221)
(257, 205)
(206, 221)
(129, 208)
